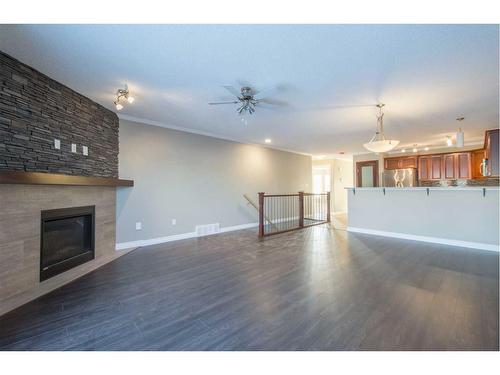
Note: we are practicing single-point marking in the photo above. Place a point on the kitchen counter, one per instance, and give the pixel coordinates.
(466, 216)
(425, 188)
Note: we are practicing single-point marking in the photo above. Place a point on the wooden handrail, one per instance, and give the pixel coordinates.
(301, 209)
(251, 202)
(261, 214)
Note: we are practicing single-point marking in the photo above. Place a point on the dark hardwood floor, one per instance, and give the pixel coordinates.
(315, 289)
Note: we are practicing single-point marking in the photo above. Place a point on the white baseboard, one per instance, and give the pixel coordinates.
(238, 227)
(176, 237)
(443, 241)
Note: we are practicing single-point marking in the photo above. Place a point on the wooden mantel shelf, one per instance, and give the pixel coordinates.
(37, 178)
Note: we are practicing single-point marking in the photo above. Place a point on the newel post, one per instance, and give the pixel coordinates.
(261, 214)
(327, 206)
(301, 209)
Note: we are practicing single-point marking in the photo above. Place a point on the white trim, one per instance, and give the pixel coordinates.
(201, 132)
(443, 241)
(154, 241)
(176, 237)
(238, 227)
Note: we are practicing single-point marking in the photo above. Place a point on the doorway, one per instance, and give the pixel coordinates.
(367, 173)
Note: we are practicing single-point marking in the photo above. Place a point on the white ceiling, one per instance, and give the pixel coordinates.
(427, 75)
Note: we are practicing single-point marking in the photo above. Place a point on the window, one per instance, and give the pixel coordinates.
(321, 179)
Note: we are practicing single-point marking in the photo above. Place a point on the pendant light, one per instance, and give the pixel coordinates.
(460, 133)
(378, 143)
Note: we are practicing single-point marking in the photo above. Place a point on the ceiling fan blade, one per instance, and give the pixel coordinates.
(271, 101)
(233, 91)
(217, 103)
(275, 89)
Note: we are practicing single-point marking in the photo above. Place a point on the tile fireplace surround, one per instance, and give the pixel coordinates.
(20, 210)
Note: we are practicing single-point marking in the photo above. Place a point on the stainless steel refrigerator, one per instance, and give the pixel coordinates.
(400, 177)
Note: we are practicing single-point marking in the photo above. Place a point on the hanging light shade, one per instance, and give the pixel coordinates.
(378, 143)
(460, 133)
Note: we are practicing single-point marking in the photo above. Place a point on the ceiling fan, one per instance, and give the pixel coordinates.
(247, 100)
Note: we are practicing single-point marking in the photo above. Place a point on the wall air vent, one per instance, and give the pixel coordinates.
(207, 229)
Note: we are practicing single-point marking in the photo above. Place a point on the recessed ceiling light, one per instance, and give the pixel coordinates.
(426, 149)
(403, 150)
(267, 140)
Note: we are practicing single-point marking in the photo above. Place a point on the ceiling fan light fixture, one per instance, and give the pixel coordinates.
(381, 146)
(122, 95)
(378, 143)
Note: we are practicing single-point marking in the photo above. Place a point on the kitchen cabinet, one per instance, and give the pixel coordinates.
(435, 172)
(449, 166)
(463, 165)
(424, 167)
(491, 146)
(445, 166)
(400, 162)
(477, 157)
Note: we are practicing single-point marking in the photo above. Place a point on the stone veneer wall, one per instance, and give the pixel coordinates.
(35, 109)
(20, 212)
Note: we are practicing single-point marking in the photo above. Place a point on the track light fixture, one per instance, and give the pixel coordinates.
(121, 96)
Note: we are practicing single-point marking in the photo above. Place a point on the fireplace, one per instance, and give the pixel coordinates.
(67, 239)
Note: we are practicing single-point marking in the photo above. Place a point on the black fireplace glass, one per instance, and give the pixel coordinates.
(67, 239)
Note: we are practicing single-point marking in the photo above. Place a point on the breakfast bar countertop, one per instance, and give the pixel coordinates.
(425, 188)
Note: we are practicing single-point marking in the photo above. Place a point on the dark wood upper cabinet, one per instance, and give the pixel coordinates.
(409, 162)
(491, 146)
(424, 168)
(463, 164)
(400, 162)
(448, 166)
(477, 157)
(392, 163)
(435, 168)
(445, 166)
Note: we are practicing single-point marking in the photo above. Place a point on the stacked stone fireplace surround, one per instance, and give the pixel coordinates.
(35, 110)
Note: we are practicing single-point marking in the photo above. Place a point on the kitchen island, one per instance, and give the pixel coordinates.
(459, 216)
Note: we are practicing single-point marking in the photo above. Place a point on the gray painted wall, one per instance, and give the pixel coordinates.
(196, 180)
